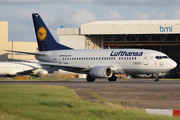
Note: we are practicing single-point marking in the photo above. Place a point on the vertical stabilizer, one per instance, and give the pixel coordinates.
(45, 40)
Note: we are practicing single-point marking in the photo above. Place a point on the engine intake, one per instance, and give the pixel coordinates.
(101, 72)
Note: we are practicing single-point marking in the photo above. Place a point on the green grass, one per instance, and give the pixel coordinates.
(47, 102)
(96, 96)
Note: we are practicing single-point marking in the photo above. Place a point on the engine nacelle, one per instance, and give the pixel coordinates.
(101, 72)
(141, 75)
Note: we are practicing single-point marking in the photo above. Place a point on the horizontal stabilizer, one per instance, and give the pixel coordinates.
(31, 53)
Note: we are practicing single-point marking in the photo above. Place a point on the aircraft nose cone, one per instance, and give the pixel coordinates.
(173, 64)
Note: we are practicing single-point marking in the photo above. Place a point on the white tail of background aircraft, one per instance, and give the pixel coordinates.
(97, 63)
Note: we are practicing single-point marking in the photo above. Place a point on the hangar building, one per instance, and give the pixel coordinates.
(3, 39)
(10, 45)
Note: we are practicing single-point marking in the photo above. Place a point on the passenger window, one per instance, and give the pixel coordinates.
(104, 58)
(127, 58)
(130, 58)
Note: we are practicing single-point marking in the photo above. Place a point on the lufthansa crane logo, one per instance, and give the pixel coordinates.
(41, 33)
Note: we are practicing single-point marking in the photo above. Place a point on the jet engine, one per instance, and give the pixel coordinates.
(101, 72)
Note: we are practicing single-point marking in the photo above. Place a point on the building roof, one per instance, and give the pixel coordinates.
(131, 27)
(125, 22)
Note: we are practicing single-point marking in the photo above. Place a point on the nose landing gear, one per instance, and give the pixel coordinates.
(156, 79)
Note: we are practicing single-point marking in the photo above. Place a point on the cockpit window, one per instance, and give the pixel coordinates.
(161, 57)
(165, 57)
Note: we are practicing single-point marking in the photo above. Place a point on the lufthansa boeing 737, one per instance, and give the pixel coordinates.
(97, 63)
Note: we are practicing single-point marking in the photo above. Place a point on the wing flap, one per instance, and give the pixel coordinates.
(63, 65)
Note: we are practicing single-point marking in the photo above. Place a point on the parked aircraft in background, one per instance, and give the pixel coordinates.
(23, 68)
(97, 63)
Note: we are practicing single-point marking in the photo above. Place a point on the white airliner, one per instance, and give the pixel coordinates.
(97, 63)
(23, 68)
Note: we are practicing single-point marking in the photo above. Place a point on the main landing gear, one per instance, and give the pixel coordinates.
(156, 79)
(112, 78)
(90, 79)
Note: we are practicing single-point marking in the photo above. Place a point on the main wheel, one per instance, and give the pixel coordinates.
(89, 79)
(112, 78)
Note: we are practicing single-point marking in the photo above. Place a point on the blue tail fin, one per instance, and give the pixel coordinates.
(45, 40)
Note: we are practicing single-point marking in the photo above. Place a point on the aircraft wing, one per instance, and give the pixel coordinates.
(63, 65)
(31, 53)
(27, 72)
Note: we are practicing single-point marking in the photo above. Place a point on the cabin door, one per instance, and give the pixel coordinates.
(145, 60)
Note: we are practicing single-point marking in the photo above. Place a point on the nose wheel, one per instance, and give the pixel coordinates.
(156, 79)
